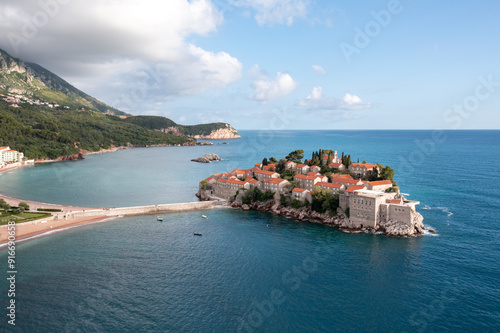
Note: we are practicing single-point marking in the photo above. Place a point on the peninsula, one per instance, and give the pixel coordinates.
(328, 189)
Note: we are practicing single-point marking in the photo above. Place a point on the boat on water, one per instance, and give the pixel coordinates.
(204, 217)
(197, 233)
(159, 218)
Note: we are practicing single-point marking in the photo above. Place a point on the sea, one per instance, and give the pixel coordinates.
(253, 271)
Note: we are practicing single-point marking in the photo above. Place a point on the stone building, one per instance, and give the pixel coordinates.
(380, 185)
(329, 187)
(361, 169)
(262, 175)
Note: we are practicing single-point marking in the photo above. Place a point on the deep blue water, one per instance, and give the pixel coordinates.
(135, 274)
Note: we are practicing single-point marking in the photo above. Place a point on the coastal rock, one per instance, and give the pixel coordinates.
(222, 133)
(204, 143)
(207, 158)
(245, 207)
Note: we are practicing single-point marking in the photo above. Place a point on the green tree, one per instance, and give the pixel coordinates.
(24, 205)
(4, 205)
(280, 167)
(387, 173)
(273, 160)
(295, 156)
(264, 161)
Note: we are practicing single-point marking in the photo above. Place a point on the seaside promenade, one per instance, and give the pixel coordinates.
(79, 216)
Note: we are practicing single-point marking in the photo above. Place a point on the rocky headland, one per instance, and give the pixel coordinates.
(341, 221)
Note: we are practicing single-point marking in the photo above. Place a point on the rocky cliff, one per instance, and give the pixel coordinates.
(222, 133)
(341, 221)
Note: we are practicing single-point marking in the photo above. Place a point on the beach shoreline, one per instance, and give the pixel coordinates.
(72, 216)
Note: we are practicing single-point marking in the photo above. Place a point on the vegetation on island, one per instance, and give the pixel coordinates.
(322, 201)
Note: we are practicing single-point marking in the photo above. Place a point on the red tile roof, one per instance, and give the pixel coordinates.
(263, 172)
(237, 182)
(355, 188)
(366, 165)
(275, 180)
(304, 177)
(394, 201)
(336, 165)
(329, 185)
(345, 181)
(381, 182)
(251, 180)
(345, 176)
(301, 166)
(312, 173)
(300, 190)
(289, 162)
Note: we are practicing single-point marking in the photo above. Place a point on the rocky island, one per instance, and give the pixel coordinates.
(327, 189)
(207, 158)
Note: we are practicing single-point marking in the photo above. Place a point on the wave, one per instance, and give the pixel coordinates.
(427, 233)
(445, 210)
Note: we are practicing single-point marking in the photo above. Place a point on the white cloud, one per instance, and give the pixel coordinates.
(275, 11)
(266, 89)
(316, 101)
(318, 69)
(107, 45)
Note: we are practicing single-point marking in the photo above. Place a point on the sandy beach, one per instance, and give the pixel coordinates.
(32, 228)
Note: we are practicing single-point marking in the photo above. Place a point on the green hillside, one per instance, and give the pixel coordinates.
(158, 123)
(41, 132)
(34, 81)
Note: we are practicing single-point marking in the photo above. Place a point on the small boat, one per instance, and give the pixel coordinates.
(204, 217)
(159, 219)
(197, 233)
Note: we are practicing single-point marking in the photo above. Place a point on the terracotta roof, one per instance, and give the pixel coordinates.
(329, 185)
(355, 188)
(4, 147)
(263, 172)
(394, 201)
(300, 190)
(381, 182)
(366, 165)
(345, 181)
(258, 164)
(222, 180)
(237, 182)
(304, 177)
(301, 165)
(335, 164)
(289, 162)
(312, 173)
(314, 166)
(345, 176)
(275, 180)
(251, 180)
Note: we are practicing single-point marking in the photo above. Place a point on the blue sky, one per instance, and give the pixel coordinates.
(269, 64)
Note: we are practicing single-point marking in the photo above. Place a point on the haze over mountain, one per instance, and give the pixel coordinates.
(44, 116)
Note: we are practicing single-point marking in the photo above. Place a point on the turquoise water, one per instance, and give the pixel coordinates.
(135, 274)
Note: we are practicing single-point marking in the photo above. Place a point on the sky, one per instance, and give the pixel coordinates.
(273, 64)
